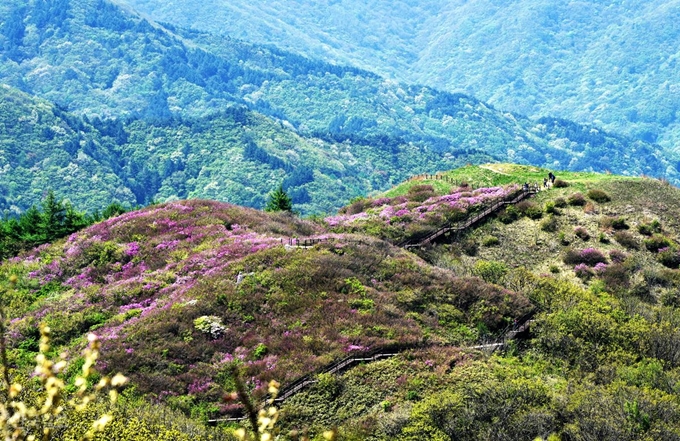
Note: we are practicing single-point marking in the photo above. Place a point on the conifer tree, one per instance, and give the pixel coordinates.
(30, 228)
(53, 217)
(279, 201)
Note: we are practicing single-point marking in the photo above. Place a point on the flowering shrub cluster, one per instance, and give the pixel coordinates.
(583, 271)
(394, 217)
(400, 208)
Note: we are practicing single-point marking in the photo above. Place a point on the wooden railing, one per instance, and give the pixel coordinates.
(338, 367)
(466, 223)
(439, 177)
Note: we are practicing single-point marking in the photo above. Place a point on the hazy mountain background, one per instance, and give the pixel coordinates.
(610, 63)
(159, 113)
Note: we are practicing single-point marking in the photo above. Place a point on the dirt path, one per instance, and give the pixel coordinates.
(491, 167)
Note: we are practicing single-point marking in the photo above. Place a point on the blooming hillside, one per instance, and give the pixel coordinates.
(419, 210)
(180, 291)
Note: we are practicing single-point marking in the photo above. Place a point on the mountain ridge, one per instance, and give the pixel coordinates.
(532, 57)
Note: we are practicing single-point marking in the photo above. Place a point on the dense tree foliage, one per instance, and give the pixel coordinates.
(534, 57)
(145, 112)
(54, 219)
(279, 201)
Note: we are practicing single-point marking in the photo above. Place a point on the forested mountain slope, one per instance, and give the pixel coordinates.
(185, 126)
(608, 63)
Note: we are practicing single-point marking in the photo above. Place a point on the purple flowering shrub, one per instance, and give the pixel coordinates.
(587, 256)
(583, 271)
(420, 210)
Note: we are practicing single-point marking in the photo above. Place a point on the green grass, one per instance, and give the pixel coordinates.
(490, 175)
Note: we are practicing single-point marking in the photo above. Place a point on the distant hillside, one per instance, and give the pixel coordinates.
(612, 64)
(182, 292)
(183, 114)
(43, 147)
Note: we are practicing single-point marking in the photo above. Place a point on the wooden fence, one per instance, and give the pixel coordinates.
(516, 330)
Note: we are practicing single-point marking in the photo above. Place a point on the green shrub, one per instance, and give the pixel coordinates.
(490, 241)
(534, 212)
(550, 207)
(210, 325)
(603, 238)
(669, 258)
(627, 240)
(619, 223)
(260, 351)
(469, 247)
(363, 305)
(412, 395)
(549, 224)
(598, 196)
(554, 269)
(455, 215)
(576, 199)
(420, 193)
(657, 242)
(649, 229)
(509, 214)
(560, 202)
(670, 297)
(490, 270)
(529, 209)
(645, 230)
(328, 385)
(564, 240)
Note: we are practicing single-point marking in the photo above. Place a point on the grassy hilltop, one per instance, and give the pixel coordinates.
(180, 292)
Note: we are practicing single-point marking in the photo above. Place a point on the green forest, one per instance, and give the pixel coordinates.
(135, 112)
(608, 63)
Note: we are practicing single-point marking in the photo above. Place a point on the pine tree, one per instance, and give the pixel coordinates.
(30, 227)
(279, 201)
(53, 217)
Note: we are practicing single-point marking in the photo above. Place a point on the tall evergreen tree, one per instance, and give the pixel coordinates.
(279, 201)
(53, 217)
(30, 227)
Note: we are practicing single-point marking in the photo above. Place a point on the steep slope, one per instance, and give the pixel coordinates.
(165, 289)
(611, 64)
(43, 147)
(180, 292)
(234, 155)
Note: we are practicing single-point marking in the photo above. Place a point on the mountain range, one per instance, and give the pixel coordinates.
(159, 112)
(612, 64)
